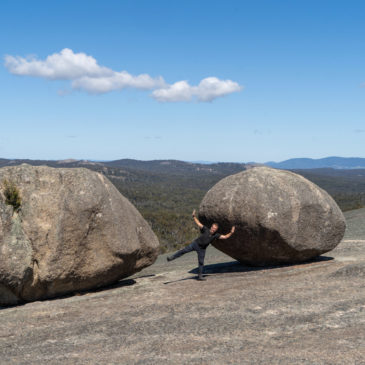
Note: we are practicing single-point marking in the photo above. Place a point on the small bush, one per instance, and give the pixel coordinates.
(12, 195)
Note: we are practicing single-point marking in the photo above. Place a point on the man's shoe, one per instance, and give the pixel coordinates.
(200, 273)
(169, 258)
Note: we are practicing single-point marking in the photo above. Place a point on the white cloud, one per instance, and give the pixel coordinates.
(117, 81)
(211, 88)
(179, 91)
(86, 74)
(208, 89)
(65, 65)
(82, 70)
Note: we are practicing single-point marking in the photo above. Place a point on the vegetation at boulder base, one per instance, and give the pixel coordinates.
(12, 195)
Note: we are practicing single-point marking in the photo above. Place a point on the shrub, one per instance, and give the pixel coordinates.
(12, 195)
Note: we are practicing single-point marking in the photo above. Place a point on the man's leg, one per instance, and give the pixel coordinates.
(201, 255)
(181, 252)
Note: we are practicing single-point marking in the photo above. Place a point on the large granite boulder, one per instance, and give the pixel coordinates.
(73, 231)
(280, 217)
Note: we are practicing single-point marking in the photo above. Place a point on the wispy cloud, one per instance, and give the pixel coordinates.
(84, 73)
(359, 130)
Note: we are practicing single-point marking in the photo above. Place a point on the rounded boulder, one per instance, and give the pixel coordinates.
(72, 231)
(280, 217)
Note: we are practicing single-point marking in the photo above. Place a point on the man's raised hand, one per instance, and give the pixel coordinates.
(197, 220)
(233, 229)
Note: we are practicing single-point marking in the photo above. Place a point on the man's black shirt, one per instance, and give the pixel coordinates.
(206, 237)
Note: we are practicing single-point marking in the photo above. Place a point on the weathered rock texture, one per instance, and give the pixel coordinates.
(280, 217)
(74, 231)
(303, 314)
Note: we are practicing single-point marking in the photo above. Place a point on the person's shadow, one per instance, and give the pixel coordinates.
(237, 267)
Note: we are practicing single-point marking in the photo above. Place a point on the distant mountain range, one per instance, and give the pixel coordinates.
(328, 162)
(171, 167)
(181, 167)
(334, 162)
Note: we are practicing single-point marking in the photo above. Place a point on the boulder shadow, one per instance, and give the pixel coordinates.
(118, 284)
(236, 266)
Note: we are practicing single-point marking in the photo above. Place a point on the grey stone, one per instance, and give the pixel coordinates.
(280, 217)
(292, 314)
(351, 270)
(74, 231)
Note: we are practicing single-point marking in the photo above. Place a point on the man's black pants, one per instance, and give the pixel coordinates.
(194, 246)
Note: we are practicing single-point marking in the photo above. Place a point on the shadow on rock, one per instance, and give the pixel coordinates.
(175, 281)
(235, 266)
(119, 284)
(356, 270)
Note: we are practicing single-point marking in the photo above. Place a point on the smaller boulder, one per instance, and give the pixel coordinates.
(280, 217)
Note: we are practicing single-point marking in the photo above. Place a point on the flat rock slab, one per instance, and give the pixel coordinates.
(309, 313)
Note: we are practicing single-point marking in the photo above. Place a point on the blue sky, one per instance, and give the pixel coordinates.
(224, 80)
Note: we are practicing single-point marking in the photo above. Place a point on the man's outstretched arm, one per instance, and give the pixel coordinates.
(197, 220)
(225, 236)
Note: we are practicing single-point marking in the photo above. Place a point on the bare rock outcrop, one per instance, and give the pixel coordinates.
(280, 217)
(73, 231)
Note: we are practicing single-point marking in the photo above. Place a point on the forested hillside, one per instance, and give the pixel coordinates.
(166, 200)
(347, 187)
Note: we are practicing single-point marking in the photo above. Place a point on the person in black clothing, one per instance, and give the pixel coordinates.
(208, 235)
